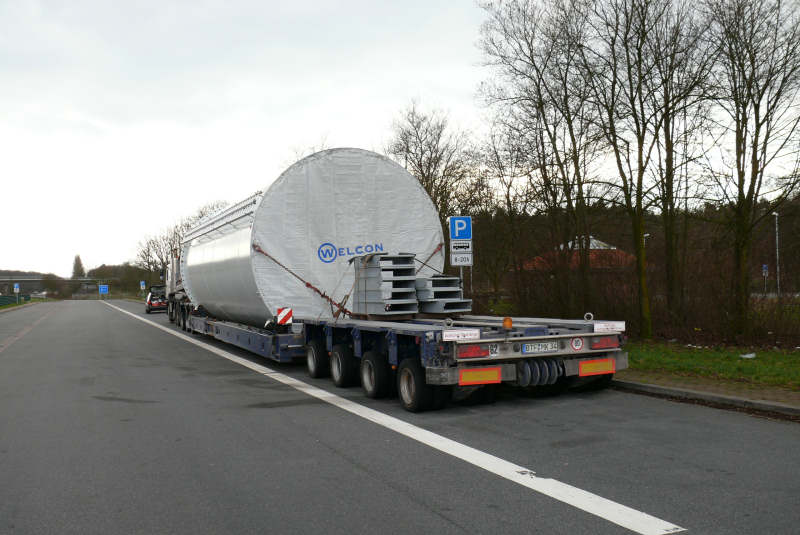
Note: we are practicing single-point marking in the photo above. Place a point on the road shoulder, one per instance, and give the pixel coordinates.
(725, 394)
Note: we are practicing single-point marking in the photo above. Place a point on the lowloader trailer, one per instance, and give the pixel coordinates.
(341, 262)
(427, 362)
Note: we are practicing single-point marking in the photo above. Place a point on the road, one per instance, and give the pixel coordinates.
(111, 425)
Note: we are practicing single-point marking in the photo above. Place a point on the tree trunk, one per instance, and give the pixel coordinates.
(741, 279)
(645, 319)
(671, 267)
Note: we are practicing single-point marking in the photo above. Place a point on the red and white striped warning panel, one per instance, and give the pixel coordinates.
(284, 316)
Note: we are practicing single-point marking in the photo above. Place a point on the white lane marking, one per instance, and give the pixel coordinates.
(586, 501)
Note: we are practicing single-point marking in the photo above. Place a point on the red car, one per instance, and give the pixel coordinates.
(155, 301)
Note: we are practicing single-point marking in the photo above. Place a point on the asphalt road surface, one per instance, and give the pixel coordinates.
(111, 425)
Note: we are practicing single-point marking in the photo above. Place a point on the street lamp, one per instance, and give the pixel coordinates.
(777, 256)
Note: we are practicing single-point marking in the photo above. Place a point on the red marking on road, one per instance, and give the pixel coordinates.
(25, 330)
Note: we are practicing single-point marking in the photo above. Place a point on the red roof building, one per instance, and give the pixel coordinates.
(602, 256)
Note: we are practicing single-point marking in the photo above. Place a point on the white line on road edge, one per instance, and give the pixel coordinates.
(586, 501)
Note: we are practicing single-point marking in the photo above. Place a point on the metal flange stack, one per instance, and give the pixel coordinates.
(441, 295)
(385, 285)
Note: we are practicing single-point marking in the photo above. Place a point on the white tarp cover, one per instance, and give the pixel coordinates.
(320, 213)
(329, 207)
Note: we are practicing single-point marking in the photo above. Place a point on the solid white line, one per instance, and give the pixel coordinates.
(586, 501)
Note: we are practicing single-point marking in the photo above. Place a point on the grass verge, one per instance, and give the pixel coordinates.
(12, 305)
(21, 303)
(769, 367)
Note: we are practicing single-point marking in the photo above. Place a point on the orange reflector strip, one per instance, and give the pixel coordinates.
(479, 376)
(596, 367)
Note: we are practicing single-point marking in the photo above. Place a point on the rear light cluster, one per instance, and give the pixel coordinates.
(605, 342)
(472, 351)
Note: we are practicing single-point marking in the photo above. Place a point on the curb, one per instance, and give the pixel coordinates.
(20, 307)
(716, 399)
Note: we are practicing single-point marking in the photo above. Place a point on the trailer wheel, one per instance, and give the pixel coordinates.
(171, 311)
(317, 360)
(554, 371)
(544, 372)
(344, 368)
(376, 376)
(184, 313)
(415, 394)
(523, 373)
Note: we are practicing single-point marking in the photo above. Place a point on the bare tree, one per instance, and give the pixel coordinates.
(154, 252)
(681, 66)
(301, 151)
(507, 166)
(535, 48)
(757, 79)
(619, 67)
(440, 157)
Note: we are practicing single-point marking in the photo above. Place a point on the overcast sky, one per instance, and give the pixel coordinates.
(117, 120)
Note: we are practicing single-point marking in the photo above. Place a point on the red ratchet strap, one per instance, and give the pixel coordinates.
(425, 263)
(308, 284)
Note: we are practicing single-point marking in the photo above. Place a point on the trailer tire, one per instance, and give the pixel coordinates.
(344, 367)
(523, 373)
(536, 373)
(376, 375)
(171, 312)
(416, 395)
(317, 359)
(554, 371)
(544, 372)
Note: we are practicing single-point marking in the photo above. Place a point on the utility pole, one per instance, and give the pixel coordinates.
(777, 256)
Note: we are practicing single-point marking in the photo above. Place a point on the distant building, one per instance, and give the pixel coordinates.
(602, 257)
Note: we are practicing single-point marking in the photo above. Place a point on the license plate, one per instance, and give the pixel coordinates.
(540, 347)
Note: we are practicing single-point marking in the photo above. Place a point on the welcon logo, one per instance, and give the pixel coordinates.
(328, 252)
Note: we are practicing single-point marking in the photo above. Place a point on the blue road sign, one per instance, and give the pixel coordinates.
(142, 284)
(461, 228)
(16, 287)
(764, 270)
(102, 288)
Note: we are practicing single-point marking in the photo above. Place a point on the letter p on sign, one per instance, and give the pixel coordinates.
(460, 228)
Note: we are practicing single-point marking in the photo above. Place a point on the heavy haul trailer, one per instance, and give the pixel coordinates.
(351, 245)
(421, 360)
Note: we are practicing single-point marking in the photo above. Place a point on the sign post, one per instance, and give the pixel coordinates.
(16, 290)
(765, 273)
(461, 244)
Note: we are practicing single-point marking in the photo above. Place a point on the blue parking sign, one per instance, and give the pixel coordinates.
(102, 288)
(460, 227)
